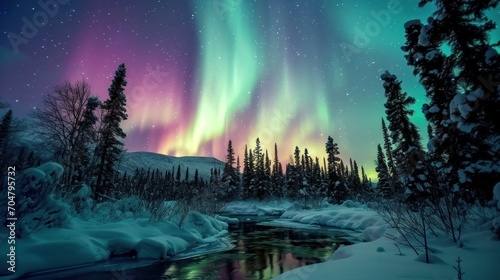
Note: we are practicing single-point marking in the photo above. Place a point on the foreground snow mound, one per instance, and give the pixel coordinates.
(352, 217)
(87, 242)
(381, 259)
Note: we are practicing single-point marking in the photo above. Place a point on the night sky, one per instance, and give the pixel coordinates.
(203, 72)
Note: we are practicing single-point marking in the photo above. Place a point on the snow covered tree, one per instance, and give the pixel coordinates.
(356, 181)
(230, 179)
(337, 190)
(462, 89)
(293, 181)
(238, 166)
(110, 147)
(85, 141)
(5, 129)
(248, 173)
(405, 136)
(5, 134)
(277, 175)
(391, 164)
(261, 180)
(384, 187)
(230, 154)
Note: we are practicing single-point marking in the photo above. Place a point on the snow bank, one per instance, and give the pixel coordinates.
(228, 220)
(381, 258)
(257, 208)
(88, 242)
(356, 217)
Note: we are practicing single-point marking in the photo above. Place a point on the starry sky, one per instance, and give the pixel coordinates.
(202, 72)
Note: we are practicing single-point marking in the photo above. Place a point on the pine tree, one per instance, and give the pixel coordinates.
(5, 129)
(229, 184)
(384, 187)
(405, 136)
(196, 178)
(230, 179)
(238, 166)
(365, 182)
(356, 182)
(110, 148)
(462, 90)
(5, 134)
(337, 191)
(251, 162)
(296, 154)
(85, 141)
(388, 151)
(246, 174)
(277, 175)
(230, 154)
(261, 182)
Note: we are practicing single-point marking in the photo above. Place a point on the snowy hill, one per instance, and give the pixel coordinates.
(132, 161)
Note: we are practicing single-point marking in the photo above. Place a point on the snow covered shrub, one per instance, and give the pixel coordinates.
(158, 210)
(129, 207)
(82, 200)
(496, 221)
(37, 207)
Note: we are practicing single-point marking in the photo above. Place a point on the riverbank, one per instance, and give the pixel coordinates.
(381, 258)
(88, 242)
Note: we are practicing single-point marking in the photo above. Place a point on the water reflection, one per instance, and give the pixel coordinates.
(261, 252)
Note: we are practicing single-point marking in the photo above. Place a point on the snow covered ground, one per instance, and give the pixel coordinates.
(89, 242)
(380, 258)
(86, 242)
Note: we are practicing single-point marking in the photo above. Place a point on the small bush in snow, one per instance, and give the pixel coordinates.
(37, 207)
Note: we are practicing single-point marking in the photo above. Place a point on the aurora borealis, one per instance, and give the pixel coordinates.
(203, 72)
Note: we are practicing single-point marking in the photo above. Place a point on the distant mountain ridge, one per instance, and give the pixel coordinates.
(133, 160)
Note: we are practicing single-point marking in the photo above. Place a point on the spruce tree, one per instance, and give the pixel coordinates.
(5, 134)
(111, 146)
(462, 89)
(230, 179)
(337, 190)
(85, 141)
(277, 175)
(405, 136)
(230, 154)
(261, 183)
(238, 166)
(388, 151)
(5, 129)
(247, 174)
(384, 187)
